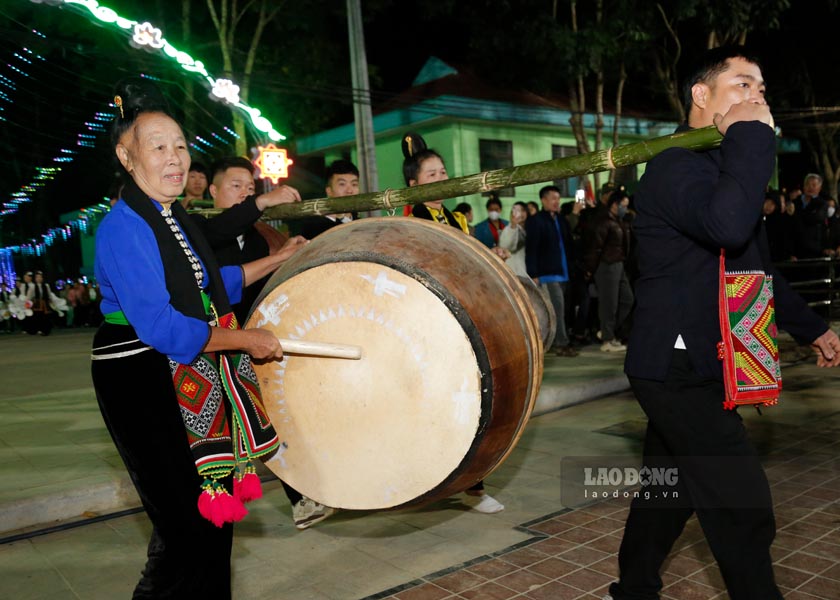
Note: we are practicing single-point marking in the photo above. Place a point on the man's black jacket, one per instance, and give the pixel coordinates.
(690, 205)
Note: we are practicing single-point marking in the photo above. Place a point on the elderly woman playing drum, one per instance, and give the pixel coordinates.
(171, 368)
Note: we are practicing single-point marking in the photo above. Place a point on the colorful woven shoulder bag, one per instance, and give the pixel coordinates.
(749, 350)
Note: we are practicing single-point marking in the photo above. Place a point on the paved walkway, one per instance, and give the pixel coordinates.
(55, 453)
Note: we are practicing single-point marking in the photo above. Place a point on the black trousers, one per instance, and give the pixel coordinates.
(188, 556)
(719, 477)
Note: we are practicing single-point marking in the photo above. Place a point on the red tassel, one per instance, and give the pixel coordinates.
(729, 404)
(250, 488)
(205, 500)
(247, 487)
(226, 508)
(217, 506)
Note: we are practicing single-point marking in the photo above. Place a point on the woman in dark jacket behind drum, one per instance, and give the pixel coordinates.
(171, 368)
(606, 245)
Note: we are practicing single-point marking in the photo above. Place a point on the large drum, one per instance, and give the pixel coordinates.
(451, 364)
(546, 317)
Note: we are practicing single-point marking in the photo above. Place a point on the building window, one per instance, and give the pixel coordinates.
(567, 186)
(496, 154)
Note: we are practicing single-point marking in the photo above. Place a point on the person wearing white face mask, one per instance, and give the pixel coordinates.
(487, 232)
(832, 230)
(512, 239)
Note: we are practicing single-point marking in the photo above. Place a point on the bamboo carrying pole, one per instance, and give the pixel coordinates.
(549, 170)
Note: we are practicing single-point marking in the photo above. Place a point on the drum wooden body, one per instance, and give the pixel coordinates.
(540, 302)
(451, 364)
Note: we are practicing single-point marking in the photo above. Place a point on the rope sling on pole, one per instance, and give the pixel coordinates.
(549, 170)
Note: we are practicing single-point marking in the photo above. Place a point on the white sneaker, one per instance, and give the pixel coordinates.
(306, 512)
(613, 346)
(487, 504)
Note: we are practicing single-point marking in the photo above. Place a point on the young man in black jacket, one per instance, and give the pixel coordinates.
(690, 205)
(549, 258)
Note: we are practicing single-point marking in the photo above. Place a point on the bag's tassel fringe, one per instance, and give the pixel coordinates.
(217, 506)
(246, 484)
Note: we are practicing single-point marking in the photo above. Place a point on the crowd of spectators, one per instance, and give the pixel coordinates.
(582, 252)
(32, 305)
(802, 223)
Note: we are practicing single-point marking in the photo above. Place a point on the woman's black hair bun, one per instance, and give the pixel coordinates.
(139, 95)
(412, 143)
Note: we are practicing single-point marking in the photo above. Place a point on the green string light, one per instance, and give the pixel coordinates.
(145, 34)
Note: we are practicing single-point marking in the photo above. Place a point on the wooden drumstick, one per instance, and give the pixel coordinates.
(320, 349)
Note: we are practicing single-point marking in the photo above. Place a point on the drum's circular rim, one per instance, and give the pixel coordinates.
(458, 312)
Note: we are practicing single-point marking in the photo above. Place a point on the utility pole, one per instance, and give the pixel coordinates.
(365, 145)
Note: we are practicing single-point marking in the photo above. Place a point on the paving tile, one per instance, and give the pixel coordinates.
(823, 550)
(807, 529)
(832, 572)
(608, 566)
(459, 581)
(821, 587)
(685, 589)
(787, 540)
(709, 576)
(580, 535)
(606, 525)
(583, 556)
(586, 580)
(791, 578)
(424, 591)
(552, 526)
(491, 569)
(798, 595)
(815, 499)
(576, 517)
(555, 590)
(524, 557)
(553, 545)
(522, 580)
(824, 519)
(489, 591)
(683, 565)
(806, 562)
(607, 543)
(602, 509)
(833, 537)
(700, 551)
(553, 568)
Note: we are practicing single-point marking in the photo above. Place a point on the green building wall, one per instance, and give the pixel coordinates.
(458, 142)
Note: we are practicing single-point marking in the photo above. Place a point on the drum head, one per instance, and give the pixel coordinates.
(381, 431)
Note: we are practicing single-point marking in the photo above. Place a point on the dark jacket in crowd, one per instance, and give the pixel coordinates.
(607, 241)
(810, 227)
(780, 228)
(542, 245)
(832, 241)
